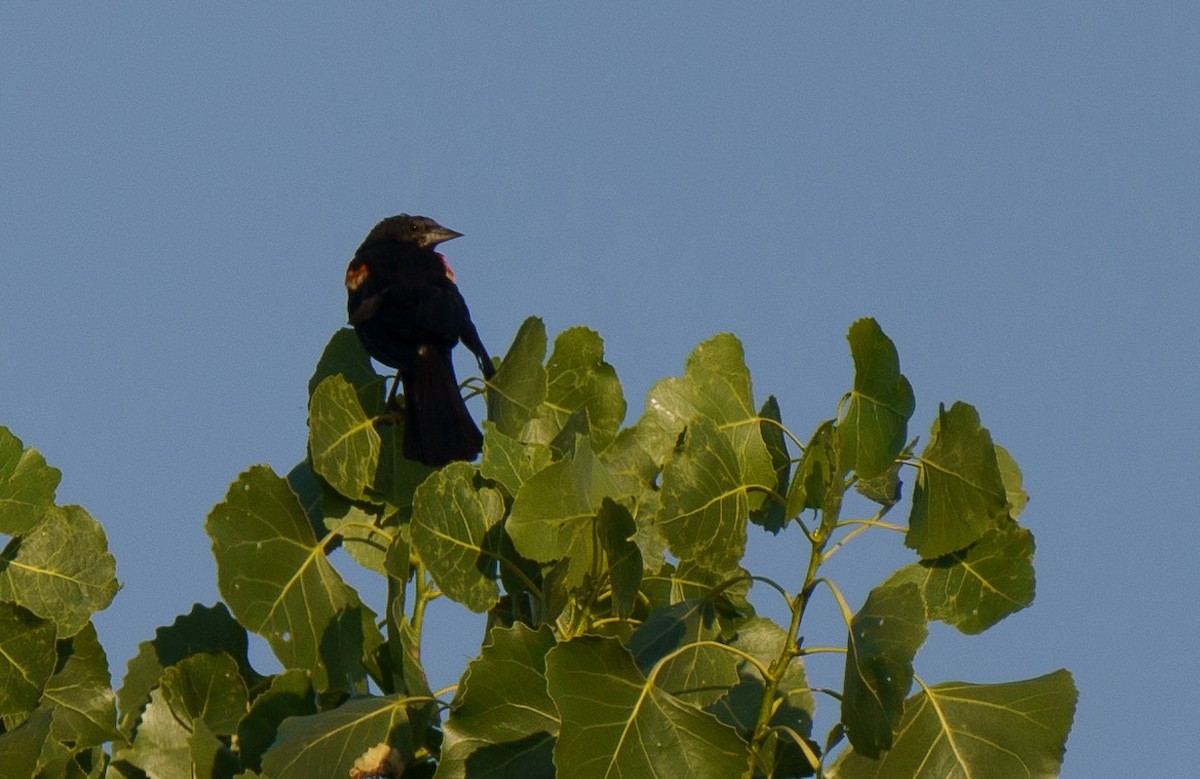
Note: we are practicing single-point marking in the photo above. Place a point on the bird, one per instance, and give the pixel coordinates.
(404, 303)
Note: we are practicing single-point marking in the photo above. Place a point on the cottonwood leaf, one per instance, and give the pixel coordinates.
(345, 356)
(876, 423)
(816, 472)
(80, 693)
(509, 461)
(623, 558)
(290, 695)
(343, 443)
(327, 744)
(884, 637)
(1010, 475)
(502, 721)
(203, 629)
(26, 658)
(706, 497)
(578, 378)
(700, 674)
(982, 731)
(273, 573)
(773, 514)
(450, 525)
(554, 513)
(959, 492)
(615, 722)
(21, 746)
(60, 569)
(976, 587)
(517, 390)
(27, 485)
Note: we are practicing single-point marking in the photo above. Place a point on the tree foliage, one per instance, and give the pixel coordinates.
(609, 562)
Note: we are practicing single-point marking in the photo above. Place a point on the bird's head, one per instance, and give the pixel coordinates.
(420, 231)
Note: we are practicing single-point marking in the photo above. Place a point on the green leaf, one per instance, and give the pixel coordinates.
(884, 637)
(1010, 474)
(345, 356)
(397, 477)
(519, 386)
(624, 560)
(578, 378)
(273, 573)
(977, 587)
(554, 513)
(203, 629)
(617, 723)
(27, 485)
(706, 497)
(290, 695)
(80, 693)
(26, 658)
(885, 488)
(343, 443)
(700, 674)
(959, 492)
(984, 731)
(793, 708)
(328, 744)
(773, 514)
(876, 423)
(20, 747)
(502, 721)
(451, 520)
(199, 698)
(817, 471)
(61, 569)
(509, 461)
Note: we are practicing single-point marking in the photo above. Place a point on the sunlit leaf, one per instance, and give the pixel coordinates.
(959, 492)
(517, 390)
(80, 693)
(451, 520)
(554, 513)
(343, 443)
(502, 721)
(200, 697)
(20, 747)
(345, 356)
(616, 723)
(884, 637)
(982, 731)
(706, 497)
(578, 378)
(26, 658)
(203, 629)
(509, 461)
(328, 743)
(876, 423)
(1010, 474)
(27, 485)
(977, 587)
(60, 569)
(273, 573)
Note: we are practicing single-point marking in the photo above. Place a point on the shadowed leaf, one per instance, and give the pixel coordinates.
(876, 423)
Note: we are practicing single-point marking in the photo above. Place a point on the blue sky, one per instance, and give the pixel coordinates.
(1011, 191)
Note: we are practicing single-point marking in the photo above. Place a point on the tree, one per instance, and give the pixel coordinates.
(609, 561)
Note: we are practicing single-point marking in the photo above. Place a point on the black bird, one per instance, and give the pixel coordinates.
(405, 305)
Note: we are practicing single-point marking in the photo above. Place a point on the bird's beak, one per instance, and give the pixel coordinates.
(442, 234)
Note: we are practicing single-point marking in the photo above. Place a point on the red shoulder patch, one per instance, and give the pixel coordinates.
(446, 266)
(355, 276)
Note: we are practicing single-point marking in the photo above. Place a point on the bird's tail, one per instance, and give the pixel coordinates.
(438, 428)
